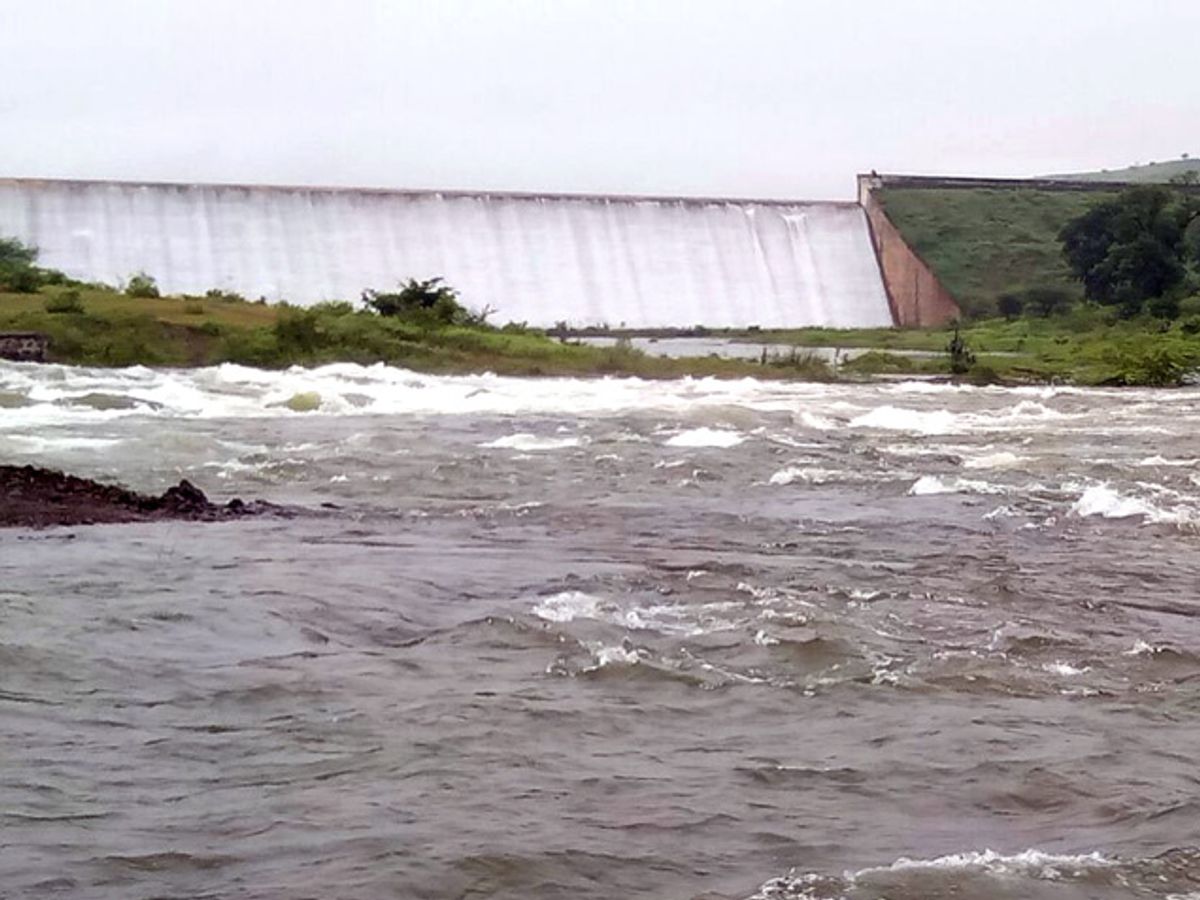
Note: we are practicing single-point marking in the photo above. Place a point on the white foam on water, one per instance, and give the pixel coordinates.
(805, 475)
(892, 418)
(1101, 500)
(1002, 459)
(530, 442)
(1066, 669)
(34, 444)
(568, 606)
(722, 438)
(928, 387)
(1033, 863)
(930, 485)
(1168, 463)
(234, 391)
(817, 422)
(615, 656)
(1142, 648)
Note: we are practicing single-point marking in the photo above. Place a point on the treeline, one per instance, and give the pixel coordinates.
(1137, 253)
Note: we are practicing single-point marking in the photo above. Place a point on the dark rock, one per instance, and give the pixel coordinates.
(33, 497)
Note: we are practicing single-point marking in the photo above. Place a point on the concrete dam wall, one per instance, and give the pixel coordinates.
(620, 261)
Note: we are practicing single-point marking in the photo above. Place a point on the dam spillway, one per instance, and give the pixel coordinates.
(542, 259)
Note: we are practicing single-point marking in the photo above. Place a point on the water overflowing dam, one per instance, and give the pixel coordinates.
(541, 259)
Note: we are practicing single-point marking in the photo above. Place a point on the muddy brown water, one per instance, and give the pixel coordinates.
(605, 639)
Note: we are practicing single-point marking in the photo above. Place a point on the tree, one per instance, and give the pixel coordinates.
(1010, 306)
(1048, 301)
(142, 286)
(14, 253)
(17, 270)
(1131, 248)
(430, 302)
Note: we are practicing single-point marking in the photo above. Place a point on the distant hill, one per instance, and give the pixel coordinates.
(1155, 172)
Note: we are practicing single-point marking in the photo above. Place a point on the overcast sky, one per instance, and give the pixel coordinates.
(781, 98)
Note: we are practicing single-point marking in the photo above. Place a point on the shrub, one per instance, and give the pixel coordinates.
(297, 331)
(66, 302)
(1156, 366)
(142, 286)
(877, 362)
(193, 308)
(431, 303)
(24, 280)
(1010, 306)
(334, 308)
(1190, 326)
(1048, 301)
(18, 272)
(1163, 307)
(223, 296)
(961, 357)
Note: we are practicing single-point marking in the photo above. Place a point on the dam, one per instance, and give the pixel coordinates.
(580, 260)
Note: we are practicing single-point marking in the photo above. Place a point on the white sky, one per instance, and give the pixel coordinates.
(779, 98)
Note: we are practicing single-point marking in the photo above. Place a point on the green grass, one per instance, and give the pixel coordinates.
(115, 330)
(1088, 346)
(1150, 173)
(983, 242)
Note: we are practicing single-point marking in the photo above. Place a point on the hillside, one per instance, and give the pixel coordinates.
(983, 242)
(1151, 173)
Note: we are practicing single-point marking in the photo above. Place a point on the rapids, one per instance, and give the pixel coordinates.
(604, 638)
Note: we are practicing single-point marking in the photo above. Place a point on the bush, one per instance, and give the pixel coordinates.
(193, 308)
(877, 362)
(142, 286)
(1010, 306)
(1048, 301)
(297, 331)
(223, 296)
(431, 303)
(65, 302)
(335, 308)
(1156, 366)
(25, 280)
(1163, 307)
(961, 357)
(1190, 326)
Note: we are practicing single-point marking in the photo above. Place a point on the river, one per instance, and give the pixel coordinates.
(604, 638)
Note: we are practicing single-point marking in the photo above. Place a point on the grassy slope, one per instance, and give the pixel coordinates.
(1151, 173)
(118, 330)
(983, 243)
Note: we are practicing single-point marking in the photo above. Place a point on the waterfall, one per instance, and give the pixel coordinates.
(584, 260)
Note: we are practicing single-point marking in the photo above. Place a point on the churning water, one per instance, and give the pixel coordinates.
(604, 638)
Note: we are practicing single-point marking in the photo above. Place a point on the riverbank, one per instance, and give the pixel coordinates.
(102, 327)
(106, 328)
